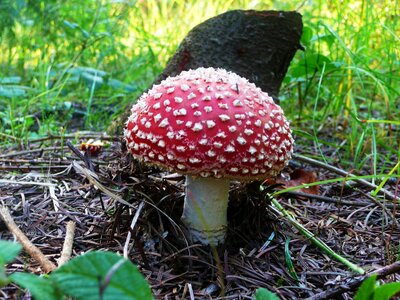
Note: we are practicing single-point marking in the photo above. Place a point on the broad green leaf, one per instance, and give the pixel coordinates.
(306, 36)
(70, 24)
(92, 71)
(83, 276)
(91, 79)
(85, 33)
(264, 294)
(11, 79)
(387, 291)
(366, 289)
(118, 85)
(41, 288)
(312, 62)
(3, 276)
(12, 91)
(9, 250)
(328, 38)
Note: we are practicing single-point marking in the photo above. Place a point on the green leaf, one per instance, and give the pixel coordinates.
(85, 33)
(9, 250)
(12, 91)
(118, 85)
(41, 288)
(306, 36)
(79, 70)
(85, 276)
(328, 38)
(387, 291)
(70, 24)
(312, 62)
(91, 79)
(288, 261)
(11, 79)
(3, 276)
(264, 294)
(366, 289)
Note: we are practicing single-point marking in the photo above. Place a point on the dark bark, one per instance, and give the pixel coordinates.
(258, 45)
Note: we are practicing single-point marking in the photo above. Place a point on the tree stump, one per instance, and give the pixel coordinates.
(257, 45)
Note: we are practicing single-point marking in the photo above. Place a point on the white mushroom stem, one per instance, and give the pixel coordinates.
(205, 209)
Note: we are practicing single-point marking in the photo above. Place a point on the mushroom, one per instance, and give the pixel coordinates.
(213, 126)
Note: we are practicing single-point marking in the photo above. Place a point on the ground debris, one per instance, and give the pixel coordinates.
(43, 191)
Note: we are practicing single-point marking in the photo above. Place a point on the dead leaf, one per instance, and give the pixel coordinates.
(300, 177)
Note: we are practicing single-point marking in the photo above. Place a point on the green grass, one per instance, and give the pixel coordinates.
(75, 66)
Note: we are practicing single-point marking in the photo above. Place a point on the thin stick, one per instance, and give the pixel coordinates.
(78, 135)
(27, 182)
(325, 199)
(31, 249)
(320, 244)
(336, 200)
(34, 161)
(341, 172)
(68, 243)
(191, 291)
(85, 159)
(353, 282)
(134, 220)
(25, 152)
(28, 168)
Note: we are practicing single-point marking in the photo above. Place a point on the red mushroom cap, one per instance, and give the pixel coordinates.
(212, 123)
(92, 146)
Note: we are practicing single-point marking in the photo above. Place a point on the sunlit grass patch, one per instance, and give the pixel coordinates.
(78, 65)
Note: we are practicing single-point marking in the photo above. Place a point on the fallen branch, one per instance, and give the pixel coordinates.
(352, 283)
(68, 243)
(31, 249)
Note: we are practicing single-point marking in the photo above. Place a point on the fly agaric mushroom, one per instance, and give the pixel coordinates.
(92, 146)
(213, 126)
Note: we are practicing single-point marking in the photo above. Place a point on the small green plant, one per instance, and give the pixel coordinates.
(370, 289)
(264, 294)
(92, 276)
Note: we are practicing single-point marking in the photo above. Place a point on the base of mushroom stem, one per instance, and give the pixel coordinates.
(205, 209)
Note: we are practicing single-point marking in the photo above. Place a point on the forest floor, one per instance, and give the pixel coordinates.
(45, 186)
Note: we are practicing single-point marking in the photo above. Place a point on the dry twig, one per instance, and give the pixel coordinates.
(68, 243)
(26, 152)
(78, 135)
(6, 181)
